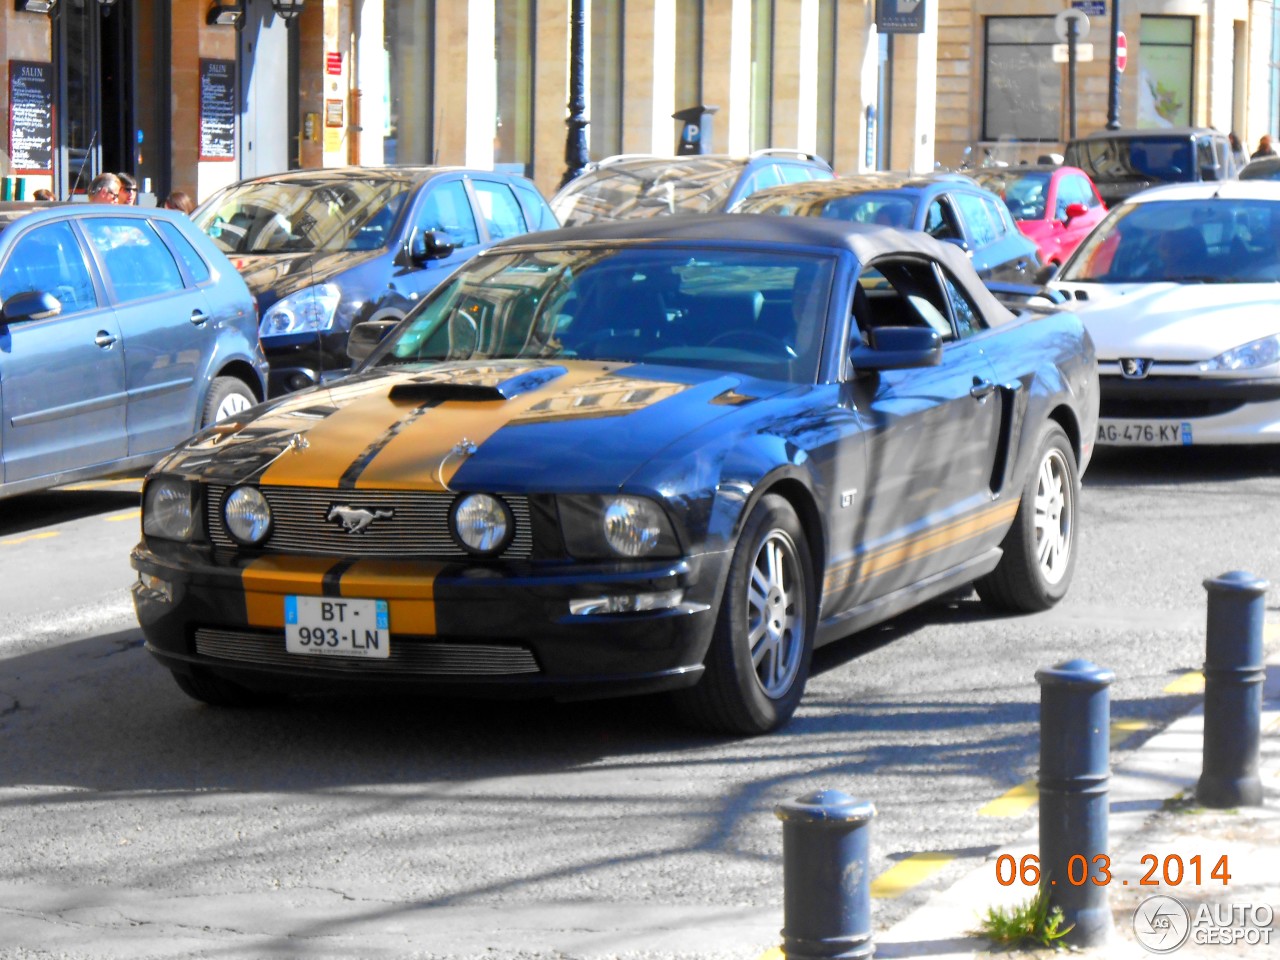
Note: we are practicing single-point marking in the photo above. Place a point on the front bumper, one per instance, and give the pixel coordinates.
(1198, 410)
(455, 628)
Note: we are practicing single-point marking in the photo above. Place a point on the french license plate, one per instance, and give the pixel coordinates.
(337, 627)
(1145, 433)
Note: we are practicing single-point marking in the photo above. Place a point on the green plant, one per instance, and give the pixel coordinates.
(1030, 924)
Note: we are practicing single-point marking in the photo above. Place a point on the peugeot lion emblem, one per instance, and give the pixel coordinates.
(356, 519)
(1134, 369)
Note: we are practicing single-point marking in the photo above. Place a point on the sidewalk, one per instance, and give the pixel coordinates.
(1153, 814)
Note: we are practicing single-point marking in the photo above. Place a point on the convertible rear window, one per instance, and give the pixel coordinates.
(759, 312)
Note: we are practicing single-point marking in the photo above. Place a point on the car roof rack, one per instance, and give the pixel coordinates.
(787, 152)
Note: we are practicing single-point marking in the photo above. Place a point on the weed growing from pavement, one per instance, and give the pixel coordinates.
(1030, 924)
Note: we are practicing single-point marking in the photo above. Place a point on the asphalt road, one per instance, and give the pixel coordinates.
(134, 822)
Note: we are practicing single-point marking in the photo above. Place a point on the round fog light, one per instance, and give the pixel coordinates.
(482, 524)
(247, 515)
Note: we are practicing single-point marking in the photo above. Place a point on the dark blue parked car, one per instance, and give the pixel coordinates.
(323, 250)
(947, 206)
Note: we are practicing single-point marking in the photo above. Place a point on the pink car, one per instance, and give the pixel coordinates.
(1054, 206)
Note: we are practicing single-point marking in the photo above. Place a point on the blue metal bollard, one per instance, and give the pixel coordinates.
(826, 851)
(1233, 678)
(1075, 721)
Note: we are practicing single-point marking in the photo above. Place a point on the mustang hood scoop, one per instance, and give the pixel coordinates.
(498, 381)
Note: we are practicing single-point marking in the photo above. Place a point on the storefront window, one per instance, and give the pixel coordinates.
(1166, 71)
(513, 54)
(1022, 91)
(409, 40)
(604, 95)
(689, 55)
(826, 139)
(761, 74)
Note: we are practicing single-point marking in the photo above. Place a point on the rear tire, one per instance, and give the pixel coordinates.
(758, 661)
(227, 397)
(215, 691)
(1040, 548)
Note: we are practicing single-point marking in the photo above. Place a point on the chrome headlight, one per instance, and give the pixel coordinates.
(609, 527)
(307, 311)
(168, 509)
(247, 515)
(1250, 356)
(482, 524)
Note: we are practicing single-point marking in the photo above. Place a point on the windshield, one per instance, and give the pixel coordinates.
(662, 188)
(1145, 158)
(890, 207)
(304, 216)
(1183, 241)
(757, 312)
(1023, 193)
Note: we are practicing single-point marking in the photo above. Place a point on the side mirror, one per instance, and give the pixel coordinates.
(897, 348)
(1210, 173)
(365, 337)
(1045, 273)
(31, 306)
(1076, 210)
(431, 245)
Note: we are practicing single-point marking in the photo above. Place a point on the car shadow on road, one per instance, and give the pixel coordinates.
(1122, 466)
(49, 507)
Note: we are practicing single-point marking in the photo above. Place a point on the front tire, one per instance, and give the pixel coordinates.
(758, 661)
(227, 397)
(1040, 548)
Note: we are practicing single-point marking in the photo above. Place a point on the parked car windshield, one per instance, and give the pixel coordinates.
(759, 312)
(1118, 158)
(1188, 241)
(304, 216)
(662, 187)
(1023, 193)
(890, 207)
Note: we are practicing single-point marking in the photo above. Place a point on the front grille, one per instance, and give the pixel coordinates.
(1164, 408)
(419, 527)
(428, 658)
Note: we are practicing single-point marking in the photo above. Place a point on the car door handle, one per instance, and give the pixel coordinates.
(198, 317)
(981, 389)
(104, 339)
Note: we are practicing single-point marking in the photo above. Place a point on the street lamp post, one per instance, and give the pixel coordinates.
(1113, 90)
(575, 148)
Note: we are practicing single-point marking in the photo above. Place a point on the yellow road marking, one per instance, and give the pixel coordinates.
(773, 953)
(1122, 729)
(1187, 683)
(1021, 798)
(129, 515)
(95, 484)
(1013, 802)
(34, 536)
(914, 870)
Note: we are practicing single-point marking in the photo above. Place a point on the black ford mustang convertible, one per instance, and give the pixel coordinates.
(666, 455)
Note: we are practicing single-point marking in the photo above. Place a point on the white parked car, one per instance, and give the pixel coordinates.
(1180, 289)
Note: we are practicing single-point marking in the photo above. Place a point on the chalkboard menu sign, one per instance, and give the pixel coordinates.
(30, 117)
(217, 109)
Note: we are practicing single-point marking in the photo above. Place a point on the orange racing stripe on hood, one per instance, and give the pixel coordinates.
(422, 457)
